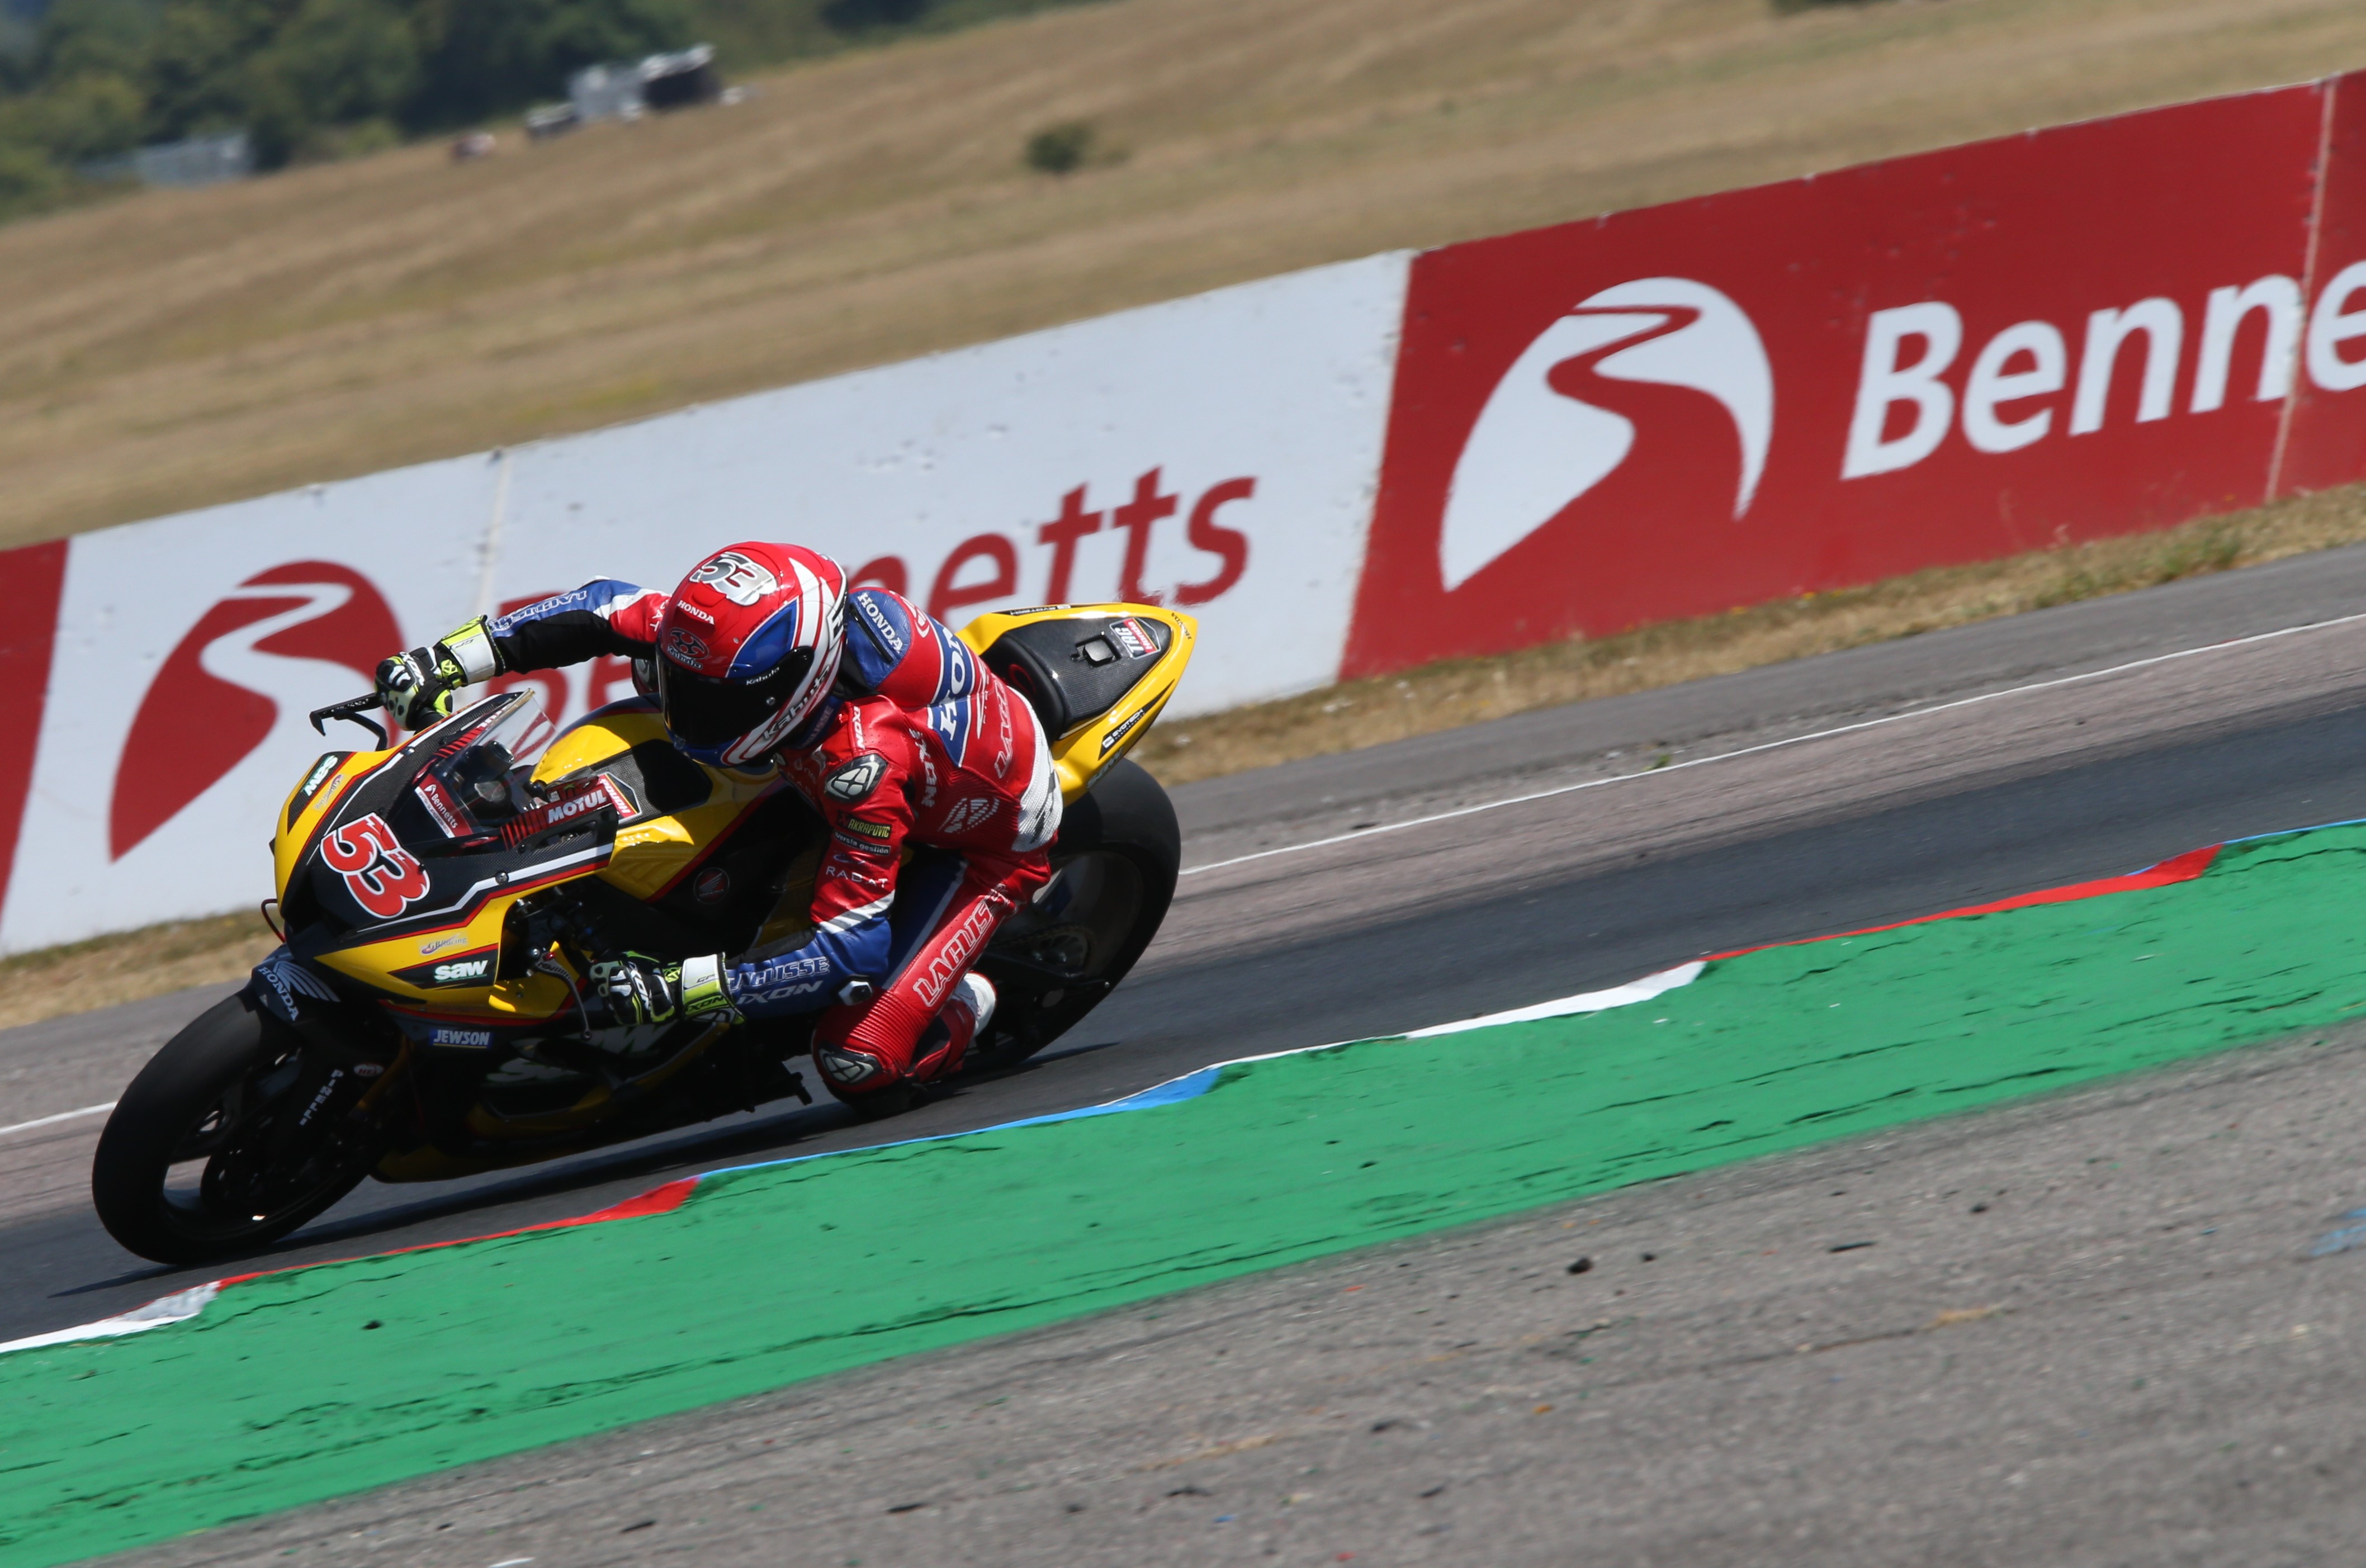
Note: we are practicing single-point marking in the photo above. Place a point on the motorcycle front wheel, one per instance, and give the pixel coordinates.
(226, 1141)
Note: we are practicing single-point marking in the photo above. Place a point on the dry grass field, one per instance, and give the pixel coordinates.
(187, 347)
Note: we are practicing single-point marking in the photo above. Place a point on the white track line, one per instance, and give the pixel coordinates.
(60, 1116)
(178, 1307)
(1770, 745)
(1628, 994)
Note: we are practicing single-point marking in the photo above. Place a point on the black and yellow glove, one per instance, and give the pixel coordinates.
(417, 687)
(637, 989)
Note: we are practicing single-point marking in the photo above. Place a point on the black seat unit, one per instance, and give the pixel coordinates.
(1075, 670)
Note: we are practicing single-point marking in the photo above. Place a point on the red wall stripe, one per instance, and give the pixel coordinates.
(34, 579)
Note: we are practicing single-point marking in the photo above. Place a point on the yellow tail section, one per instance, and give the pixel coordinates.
(1097, 674)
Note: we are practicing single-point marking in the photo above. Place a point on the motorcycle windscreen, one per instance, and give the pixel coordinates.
(450, 821)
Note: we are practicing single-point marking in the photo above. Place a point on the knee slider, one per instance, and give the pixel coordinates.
(847, 1067)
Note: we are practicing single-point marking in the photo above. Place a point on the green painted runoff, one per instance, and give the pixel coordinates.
(279, 1394)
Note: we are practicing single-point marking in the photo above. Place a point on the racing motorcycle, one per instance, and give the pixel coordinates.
(441, 901)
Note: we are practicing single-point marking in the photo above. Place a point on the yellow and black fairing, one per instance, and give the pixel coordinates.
(454, 872)
(1097, 675)
(683, 858)
(612, 841)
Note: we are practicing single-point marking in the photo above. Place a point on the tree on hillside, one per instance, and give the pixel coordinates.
(334, 62)
(86, 38)
(106, 75)
(490, 55)
(81, 80)
(193, 76)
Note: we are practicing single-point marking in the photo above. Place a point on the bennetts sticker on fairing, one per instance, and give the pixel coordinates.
(441, 806)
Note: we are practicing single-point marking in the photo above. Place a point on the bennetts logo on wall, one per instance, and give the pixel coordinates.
(216, 698)
(1943, 358)
(1550, 431)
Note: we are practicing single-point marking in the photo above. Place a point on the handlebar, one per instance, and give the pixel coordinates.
(352, 710)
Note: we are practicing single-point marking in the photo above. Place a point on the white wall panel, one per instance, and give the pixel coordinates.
(1284, 383)
(176, 723)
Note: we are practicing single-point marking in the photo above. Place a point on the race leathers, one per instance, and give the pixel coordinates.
(919, 745)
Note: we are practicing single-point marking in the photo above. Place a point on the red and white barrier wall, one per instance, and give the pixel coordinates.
(2092, 329)
(1217, 453)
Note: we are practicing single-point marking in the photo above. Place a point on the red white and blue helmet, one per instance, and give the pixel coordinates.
(747, 649)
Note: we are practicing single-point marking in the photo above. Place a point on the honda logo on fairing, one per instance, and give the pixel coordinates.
(1536, 448)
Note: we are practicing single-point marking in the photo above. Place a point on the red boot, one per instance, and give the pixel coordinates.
(947, 1040)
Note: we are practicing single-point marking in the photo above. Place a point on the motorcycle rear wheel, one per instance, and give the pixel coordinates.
(1114, 865)
(214, 1105)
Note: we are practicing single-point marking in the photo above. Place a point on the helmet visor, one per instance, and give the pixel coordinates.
(707, 710)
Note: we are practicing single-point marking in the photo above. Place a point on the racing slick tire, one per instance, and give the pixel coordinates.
(1114, 866)
(213, 1150)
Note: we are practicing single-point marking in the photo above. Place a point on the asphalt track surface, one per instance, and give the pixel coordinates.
(1714, 1447)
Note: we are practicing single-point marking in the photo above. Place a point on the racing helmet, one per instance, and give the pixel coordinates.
(747, 648)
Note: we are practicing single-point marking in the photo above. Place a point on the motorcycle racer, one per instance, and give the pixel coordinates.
(885, 721)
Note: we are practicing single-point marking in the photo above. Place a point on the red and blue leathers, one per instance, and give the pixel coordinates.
(918, 747)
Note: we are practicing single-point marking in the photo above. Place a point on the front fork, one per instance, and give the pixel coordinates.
(337, 1042)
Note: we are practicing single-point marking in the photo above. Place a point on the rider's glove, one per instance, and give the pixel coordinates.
(636, 989)
(417, 687)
